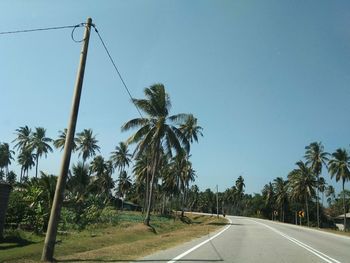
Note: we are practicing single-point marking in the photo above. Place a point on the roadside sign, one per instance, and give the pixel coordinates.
(301, 213)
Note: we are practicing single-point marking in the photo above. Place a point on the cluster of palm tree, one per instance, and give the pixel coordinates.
(160, 161)
(162, 142)
(304, 183)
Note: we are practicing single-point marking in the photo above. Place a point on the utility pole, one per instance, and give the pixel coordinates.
(217, 201)
(51, 232)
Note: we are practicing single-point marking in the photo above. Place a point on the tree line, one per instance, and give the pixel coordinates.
(160, 164)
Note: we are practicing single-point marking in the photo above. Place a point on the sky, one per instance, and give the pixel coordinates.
(264, 78)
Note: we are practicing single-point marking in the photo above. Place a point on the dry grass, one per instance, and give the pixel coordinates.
(124, 242)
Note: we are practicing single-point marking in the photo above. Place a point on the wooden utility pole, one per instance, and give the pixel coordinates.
(51, 232)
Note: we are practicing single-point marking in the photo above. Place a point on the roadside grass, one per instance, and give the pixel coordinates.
(128, 240)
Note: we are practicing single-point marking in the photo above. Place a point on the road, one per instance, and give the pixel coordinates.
(254, 240)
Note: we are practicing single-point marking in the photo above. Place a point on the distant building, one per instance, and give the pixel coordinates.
(339, 221)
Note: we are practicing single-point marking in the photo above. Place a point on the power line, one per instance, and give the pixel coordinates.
(72, 36)
(116, 69)
(39, 29)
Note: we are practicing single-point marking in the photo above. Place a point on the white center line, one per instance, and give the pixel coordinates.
(301, 244)
(200, 244)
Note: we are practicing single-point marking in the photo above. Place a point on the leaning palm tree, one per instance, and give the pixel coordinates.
(301, 184)
(61, 140)
(87, 144)
(156, 131)
(316, 157)
(339, 166)
(40, 145)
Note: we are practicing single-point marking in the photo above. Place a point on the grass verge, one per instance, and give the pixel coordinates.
(128, 240)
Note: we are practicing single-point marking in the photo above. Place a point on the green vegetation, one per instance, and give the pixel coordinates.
(125, 239)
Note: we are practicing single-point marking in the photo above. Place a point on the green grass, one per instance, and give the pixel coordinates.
(105, 242)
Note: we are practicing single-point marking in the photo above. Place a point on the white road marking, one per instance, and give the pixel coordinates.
(301, 244)
(200, 244)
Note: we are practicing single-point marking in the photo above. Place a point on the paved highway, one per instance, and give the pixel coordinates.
(254, 240)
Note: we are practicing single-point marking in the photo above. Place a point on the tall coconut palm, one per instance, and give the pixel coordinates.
(5, 157)
(61, 140)
(156, 131)
(24, 137)
(141, 171)
(302, 183)
(121, 157)
(322, 186)
(281, 195)
(124, 185)
(26, 160)
(339, 166)
(103, 173)
(316, 157)
(40, 145)
(191, 129)
(87, 144)
(330, 194)
(268, 193)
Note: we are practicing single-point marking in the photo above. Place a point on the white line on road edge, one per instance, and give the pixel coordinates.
(200, 244)
(301, 244)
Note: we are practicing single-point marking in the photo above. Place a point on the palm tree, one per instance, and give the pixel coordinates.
(330, 194)
(103, 171)
(316, 157)
(98, 165)
(281, 194)
(5, 157)
(124, 185)
(121, 157)
(156, 131)
(24, 137)
(87, 144)
(61, 140)
(40, 145)
(79, 181)
(190, 129)
(322, 186)
(26, 160)
(301, 183)
(141, 171)
(339, 166)
(268, 193)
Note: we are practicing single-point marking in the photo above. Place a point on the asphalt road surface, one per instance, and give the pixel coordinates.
(255, 240)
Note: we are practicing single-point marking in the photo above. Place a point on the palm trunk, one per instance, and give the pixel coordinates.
(307, 210)
(36, 167)
(20, 178)
(155, 164)
(163, 205)
(344, 205)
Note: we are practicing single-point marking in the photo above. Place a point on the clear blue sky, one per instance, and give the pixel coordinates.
(264, 78)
